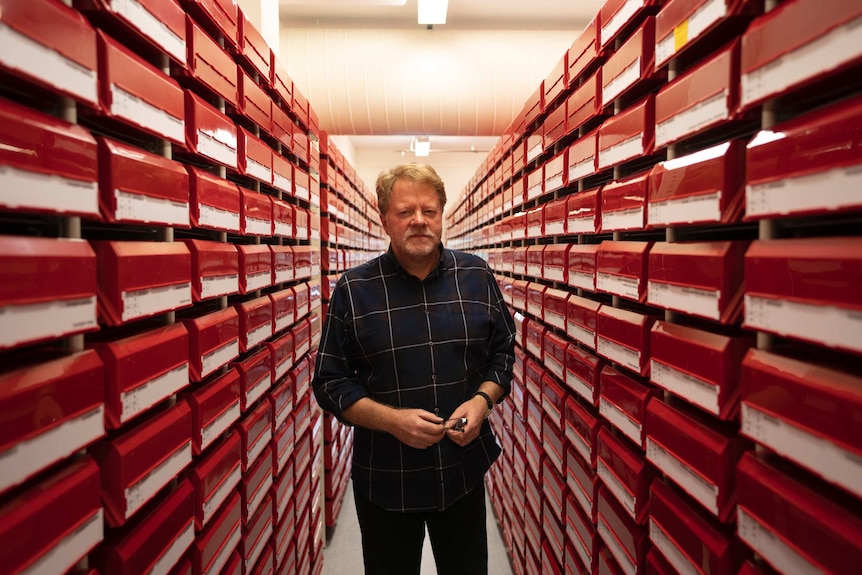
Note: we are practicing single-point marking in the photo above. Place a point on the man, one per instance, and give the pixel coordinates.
(415, 340)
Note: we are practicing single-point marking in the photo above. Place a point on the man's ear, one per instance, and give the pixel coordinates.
(382, 221)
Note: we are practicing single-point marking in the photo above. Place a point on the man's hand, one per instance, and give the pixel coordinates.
(416, 427)
(474, 410)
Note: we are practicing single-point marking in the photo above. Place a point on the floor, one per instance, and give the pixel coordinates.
(343, 552)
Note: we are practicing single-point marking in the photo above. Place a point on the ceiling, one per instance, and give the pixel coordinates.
(372, 73)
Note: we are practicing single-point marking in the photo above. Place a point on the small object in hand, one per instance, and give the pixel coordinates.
(459, 424)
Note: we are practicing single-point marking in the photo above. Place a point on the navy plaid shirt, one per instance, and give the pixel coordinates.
(413, 343)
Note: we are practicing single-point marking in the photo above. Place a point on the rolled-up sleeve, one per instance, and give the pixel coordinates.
(501, 360)
(335, 384)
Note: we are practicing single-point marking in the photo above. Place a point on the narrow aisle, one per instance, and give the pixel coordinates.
(343, 551)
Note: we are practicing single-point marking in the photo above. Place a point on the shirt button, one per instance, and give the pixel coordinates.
(433, 377)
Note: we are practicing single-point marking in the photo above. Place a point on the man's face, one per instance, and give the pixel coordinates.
(414, 221)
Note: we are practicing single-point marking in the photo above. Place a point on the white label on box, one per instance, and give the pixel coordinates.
(582, 168)
(621, 420)
(152, 27)
(257, 281)
(146, 395)
(222, 151)
(585, 225)
(284, 321)
(581, 334)
(695, 390)
(259, 495)
(127, 105)
(26, 457)
(618, 153)
(820, 455)
(283, 275)
(218, 218)
(257, 226)
(627, 287)
(24, 189)
(150, 301)
(18, 52)
(554, 366)
(257, 389)
(555, 228)
(178, 546)
(534, 191)
(302, 192)
(780, 554)
(283, 183)
(554, 273)
(683, 475)
(702, 18)
(670, 550)
(583, 280)
(62, 556)
(686, 210)
(259, 444)
(534, 151)
(283, 229)
(214, 501)
(616, 486)
(265, 535)
(258, 334)
(581, 387)
(830, 190)
(554, 182)
(693, 119)
(581, 495)
(535, 270)
(628, 219)
(826, 324)
(141, 208)
(535, 348)
(216, 286)
(225, 551)
(258, 170)
(618, 20)
(622, 82)
(625, 562)
(580, 546)
(218, 425)
(688, 299)
(828, 52)
(144, 489)
(578, 442)
(219, 356)
(282, 367)
(29, 322)
(554, 318)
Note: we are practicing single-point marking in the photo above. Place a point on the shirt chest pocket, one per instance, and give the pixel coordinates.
(458, 323)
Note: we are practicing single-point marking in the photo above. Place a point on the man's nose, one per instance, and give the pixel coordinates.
(418, 218)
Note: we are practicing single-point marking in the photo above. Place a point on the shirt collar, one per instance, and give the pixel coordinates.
(441, 263)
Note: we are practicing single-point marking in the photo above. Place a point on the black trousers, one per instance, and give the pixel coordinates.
(392, 541)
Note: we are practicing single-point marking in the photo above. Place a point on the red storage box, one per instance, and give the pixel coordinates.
(582, 266)
(626, 541)
(302, 259)
(29, 441)
(583, 54)
(255, 322)
(142, 370)
(704, 187)
(154, 544)
(627, 135)
(618, 16)
(535, 260)
(48, 289)
(583, 542)
(283, 466)
(699, 366)
(806, 289)
(703, 98)
(213, 341)
(255, 486)
(696, 454)
(139, 187)
(582, 373)
(282, 220)
(252, 48)
(138, 94)
(582, 212)
(555, 174)
(254, 156)
(625, 473)
(255, 267)
(623, 403)
(819, 430)
(623, 204)
(49, 166)
(281, 349)
(811, 169)
(703, 279)
(51, 45)
(213, 546)
(554, 264)
(255, 431)
(54, 523)
(621, 268)
(142, 459)
(254, 103)
(284, 309)
(301, 184)
(255, 213)
(584, 105)
(793, 526)
(553, 404)
(553, 129)
(255, 376)
(797, 44)
(215, 269)
(555, 308)
(142, 279)
(209, 133)
(282, 169)
(631, 66)
(581, 317)
(214, 202)
(690, 540)
(215, 408)
(281, 400)
(214, 477)
(282, 264)
(582, 158)
(582, 426)
(207, 61)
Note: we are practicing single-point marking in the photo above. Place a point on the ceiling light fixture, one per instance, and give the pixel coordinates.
(422, 146)
(433, 11)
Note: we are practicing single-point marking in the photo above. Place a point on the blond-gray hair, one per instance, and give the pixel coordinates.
(413, 172)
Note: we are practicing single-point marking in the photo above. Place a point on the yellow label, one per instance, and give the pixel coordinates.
(680, 35)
